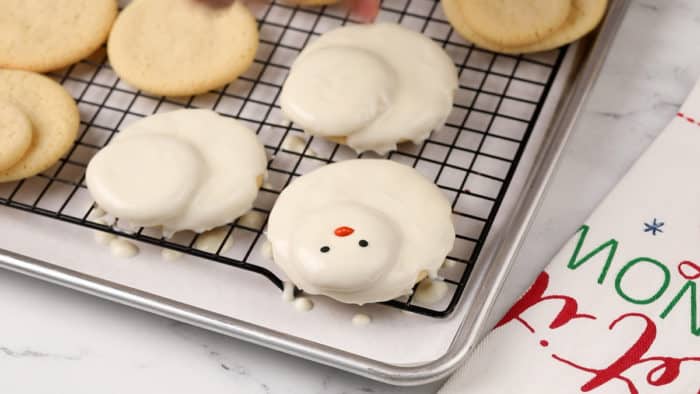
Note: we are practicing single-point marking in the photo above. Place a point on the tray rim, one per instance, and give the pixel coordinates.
(593, 53)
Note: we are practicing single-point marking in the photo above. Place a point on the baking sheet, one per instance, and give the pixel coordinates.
(394, 337)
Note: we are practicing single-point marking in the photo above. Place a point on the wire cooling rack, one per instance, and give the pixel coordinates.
(472, 158)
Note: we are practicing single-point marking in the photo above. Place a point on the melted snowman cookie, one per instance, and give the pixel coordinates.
(370, 87)
(183, 170)
(360, 231)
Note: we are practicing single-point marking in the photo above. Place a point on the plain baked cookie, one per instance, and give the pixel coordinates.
(182, 47)
(515, 22)
(15, 134)
(584, 17)
(52, 113)
(361, 231)
(41, 35)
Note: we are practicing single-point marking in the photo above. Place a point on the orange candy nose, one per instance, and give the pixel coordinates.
(343, 231)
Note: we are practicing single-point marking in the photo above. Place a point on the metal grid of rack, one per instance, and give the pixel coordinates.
(472, 158)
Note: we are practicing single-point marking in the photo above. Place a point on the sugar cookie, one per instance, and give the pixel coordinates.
(40, 35)
(584, 17)
(360, 230)
(182, 47)
(515, 22)
(52, 113)
(15, 134)
(189, 169)
(370, 86)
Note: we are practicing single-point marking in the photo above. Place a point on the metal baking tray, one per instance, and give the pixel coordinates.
(486, 260)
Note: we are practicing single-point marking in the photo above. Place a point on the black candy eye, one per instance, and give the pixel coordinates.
(363, 243)
(325, 249)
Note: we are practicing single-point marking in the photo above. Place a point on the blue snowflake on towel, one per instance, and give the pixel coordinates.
(654, 227)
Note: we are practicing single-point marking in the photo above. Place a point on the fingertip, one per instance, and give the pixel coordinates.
(365, 10)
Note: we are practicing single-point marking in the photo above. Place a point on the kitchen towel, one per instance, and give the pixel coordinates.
(616, 310)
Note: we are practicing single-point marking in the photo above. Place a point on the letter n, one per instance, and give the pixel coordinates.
(690, 288)
(608, 247)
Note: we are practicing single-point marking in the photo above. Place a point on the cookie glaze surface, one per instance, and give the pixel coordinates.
(183, 170)
(373, 85)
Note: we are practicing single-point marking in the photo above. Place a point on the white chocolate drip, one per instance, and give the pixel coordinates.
(449, 263)
(211, 240)
(294, 143)
(288, 292)
(103, 237)
(361, 319)
(170, 254)
(252, 219)
(120, 247)
(303, 304)
(266, 250)
(430, 291)
(97, 213)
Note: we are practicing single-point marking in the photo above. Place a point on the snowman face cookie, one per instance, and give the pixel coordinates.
(345, 247)
(360, 231)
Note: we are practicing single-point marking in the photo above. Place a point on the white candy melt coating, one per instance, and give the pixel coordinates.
(123, 248)
(252, 219)
(312, 93)
(266, 250)
(288, 292)
(103, 238)
(170, 254)
(185, 170)
(449, 263)
(97, 213)
(361, 319)
(210, 241)
(303, 304)
(430, 291)
(376, 84)
(145, 178)
(294, 143)
(404, 220)
(126, 227)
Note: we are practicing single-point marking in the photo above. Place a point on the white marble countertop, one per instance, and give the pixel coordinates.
(56, 340)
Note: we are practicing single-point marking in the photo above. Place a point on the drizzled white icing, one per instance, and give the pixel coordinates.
(252, 219)
(170, 254)
(288, 292)
(376, 84)
(210, 241)
(266, 249)
(430, 291)
(361, 319)
(449, 263)
(303, 304)
(294, 143)
(123, 248)
(360, 231)
(185, 170)
(97, 213)
(103, 237)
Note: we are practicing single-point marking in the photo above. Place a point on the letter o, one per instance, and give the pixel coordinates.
(632, 263)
